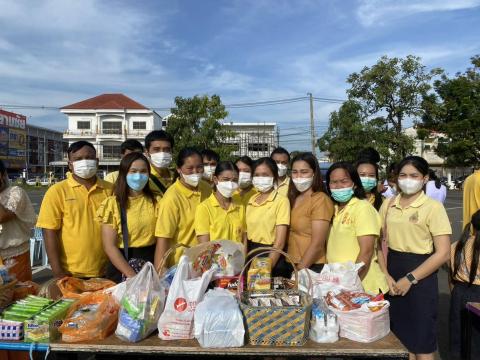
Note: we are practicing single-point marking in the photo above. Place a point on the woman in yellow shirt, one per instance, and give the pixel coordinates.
(221, 216)
(418, 232)
(311, 214)
(356, 226)
(268, 213)
(465, 276)
(176, 215)
(136, 204)
(246, 189)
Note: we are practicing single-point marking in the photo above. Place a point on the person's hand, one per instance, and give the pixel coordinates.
(61, 274)
(131, 273)
(391, 285)
(402, 286)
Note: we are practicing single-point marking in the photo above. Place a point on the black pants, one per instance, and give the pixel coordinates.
(146, 253)
(461, 294)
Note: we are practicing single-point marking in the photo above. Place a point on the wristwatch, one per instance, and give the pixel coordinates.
(411, 278)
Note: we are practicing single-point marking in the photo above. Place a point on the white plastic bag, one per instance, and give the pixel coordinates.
(334, 276)
(364, 325)
(176, 322)
(219, 321)
(141, 305)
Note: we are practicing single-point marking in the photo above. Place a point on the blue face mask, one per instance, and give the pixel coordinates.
(342, 195)
(368, 183)
(137, 181)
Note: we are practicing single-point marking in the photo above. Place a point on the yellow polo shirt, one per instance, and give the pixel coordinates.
(176, 214)
(244, 198)
(111, 177)
(166, 182)
(211, 219)
(357, 218)
(70, 208)
(282, 188)
(261, 219)
(412, 229)
(141, 219)
(471, 196)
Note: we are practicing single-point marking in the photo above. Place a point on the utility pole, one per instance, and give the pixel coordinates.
(312, 123)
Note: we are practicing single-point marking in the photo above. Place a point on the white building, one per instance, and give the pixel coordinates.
(106, 121)
(256, 139)
(426, 148)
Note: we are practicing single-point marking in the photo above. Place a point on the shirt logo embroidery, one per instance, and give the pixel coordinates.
(414, 218)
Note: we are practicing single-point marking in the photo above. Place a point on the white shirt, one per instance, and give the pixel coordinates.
(15, 233)
(436, 194)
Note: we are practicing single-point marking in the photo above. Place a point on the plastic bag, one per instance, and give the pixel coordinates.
(335, 276)
(363, 324)
(74, 288)
(324, 323)
(92, 317)
(184, 295)
(50, 290)
(141, 305)
(219, 321)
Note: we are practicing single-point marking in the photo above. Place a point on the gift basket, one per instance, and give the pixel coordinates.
(275, 317)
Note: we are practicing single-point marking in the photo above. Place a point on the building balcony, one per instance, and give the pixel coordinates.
(79, 134)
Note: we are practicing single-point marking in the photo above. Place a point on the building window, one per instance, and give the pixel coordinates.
(164, 123)
(111, 151)
(112, 127)
(139, 125)
(83, 125)
(258, 147)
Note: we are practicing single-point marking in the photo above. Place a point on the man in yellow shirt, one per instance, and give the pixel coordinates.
(159, 148)
(282, 158)
(471, 196)
(67, 216)
(127, 147)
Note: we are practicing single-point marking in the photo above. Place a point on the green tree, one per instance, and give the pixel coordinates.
(197, 122)
(392, 91)
(455, 112)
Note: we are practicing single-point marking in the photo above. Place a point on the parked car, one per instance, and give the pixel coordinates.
(32, 182)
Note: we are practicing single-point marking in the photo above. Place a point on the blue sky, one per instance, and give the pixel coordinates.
(56, 52)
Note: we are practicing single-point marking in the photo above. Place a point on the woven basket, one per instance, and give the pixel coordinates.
(276, 325)
(7, 292)
(160, 269)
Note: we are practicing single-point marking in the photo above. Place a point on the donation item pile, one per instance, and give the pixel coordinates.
(212, 295)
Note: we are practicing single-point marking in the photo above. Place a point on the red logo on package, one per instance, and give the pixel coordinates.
(180, 304)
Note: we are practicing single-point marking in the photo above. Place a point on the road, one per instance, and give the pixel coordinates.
(453, 206)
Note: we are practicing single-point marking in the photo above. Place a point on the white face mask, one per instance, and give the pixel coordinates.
(161, 159)
(227, 188)
(410, 186)
(263, 183)
(85, 169)
(303, 184)
(244, 179)
(208, 171)
(192, 179)
(282, 169)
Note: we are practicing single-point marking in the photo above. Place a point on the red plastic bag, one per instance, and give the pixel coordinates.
(92, 317)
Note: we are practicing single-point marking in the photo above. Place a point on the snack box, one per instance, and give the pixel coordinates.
(43, 327)
(259, 274)
(229, 283)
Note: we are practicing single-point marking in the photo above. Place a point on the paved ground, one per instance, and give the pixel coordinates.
(454, 209)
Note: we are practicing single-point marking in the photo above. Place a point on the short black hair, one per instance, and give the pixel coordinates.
(246, 160)
(225, 166)
(280, 150)
(74, 147)
(186, 153)
(158, 135)
(3, 168)
(417, 162)
(370, 154)
(132, 145)
(359, 191)
(210, 155)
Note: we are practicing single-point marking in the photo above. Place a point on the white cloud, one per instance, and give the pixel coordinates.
(374, 12)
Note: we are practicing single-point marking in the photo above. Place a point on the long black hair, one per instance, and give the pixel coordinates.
(370, 161)
(358, 191)
(121, 189)
(434, 177)
(3, 175)
(224, 166)
(317, 185)
(459, 257)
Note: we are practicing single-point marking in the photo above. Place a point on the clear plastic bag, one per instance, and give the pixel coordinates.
(141, 305)
(219, 321)
(176, 322)
(92, 317)
(324, 323)
(74, 288)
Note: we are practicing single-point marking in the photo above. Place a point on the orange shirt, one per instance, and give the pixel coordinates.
(316, 207)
